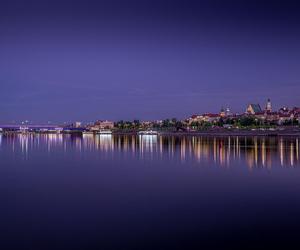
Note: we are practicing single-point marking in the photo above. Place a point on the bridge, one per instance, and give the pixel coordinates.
(29, 127)
(39, 128)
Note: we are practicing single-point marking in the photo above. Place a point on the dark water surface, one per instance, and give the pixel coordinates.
(149, 192)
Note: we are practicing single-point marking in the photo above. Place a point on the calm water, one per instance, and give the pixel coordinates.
(148, 192)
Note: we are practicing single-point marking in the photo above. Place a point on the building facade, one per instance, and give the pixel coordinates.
(253, 109)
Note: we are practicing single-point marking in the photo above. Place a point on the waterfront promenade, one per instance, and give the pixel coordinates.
(55, 129)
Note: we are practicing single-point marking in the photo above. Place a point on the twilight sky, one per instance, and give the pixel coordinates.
(87, 60)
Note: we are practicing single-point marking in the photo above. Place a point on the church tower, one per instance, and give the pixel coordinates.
(222, 112)
(269, 106)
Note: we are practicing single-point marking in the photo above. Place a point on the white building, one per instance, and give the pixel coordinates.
(104, 124)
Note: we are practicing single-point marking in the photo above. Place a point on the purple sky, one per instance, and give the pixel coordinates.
(88, 60)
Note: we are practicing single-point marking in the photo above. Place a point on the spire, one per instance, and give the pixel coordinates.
(222, 112)
(269, 105)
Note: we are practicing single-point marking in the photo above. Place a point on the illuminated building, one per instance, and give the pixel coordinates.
(253, 109)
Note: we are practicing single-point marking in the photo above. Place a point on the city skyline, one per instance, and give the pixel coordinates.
(266, 111)
(67, 61)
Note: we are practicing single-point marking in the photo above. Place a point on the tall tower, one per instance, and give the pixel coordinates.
(269, 106)
(228, 112)
(222, 112)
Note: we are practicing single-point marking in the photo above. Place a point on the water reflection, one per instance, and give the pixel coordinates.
(223, 151)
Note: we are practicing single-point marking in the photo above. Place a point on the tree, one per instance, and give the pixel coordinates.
(136, 123)
(174, 120)
(166, 123)
(247, 121)
(195, 125)
(221, 122)
(119, 124)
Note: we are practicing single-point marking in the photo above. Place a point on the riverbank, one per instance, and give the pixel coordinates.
(218, 133)
(295, 131)
(224, 132)
(233, 133)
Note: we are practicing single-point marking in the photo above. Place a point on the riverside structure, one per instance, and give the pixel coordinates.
(254, 121)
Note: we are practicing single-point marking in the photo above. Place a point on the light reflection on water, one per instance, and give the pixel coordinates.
(252, 151)
(147, 187)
